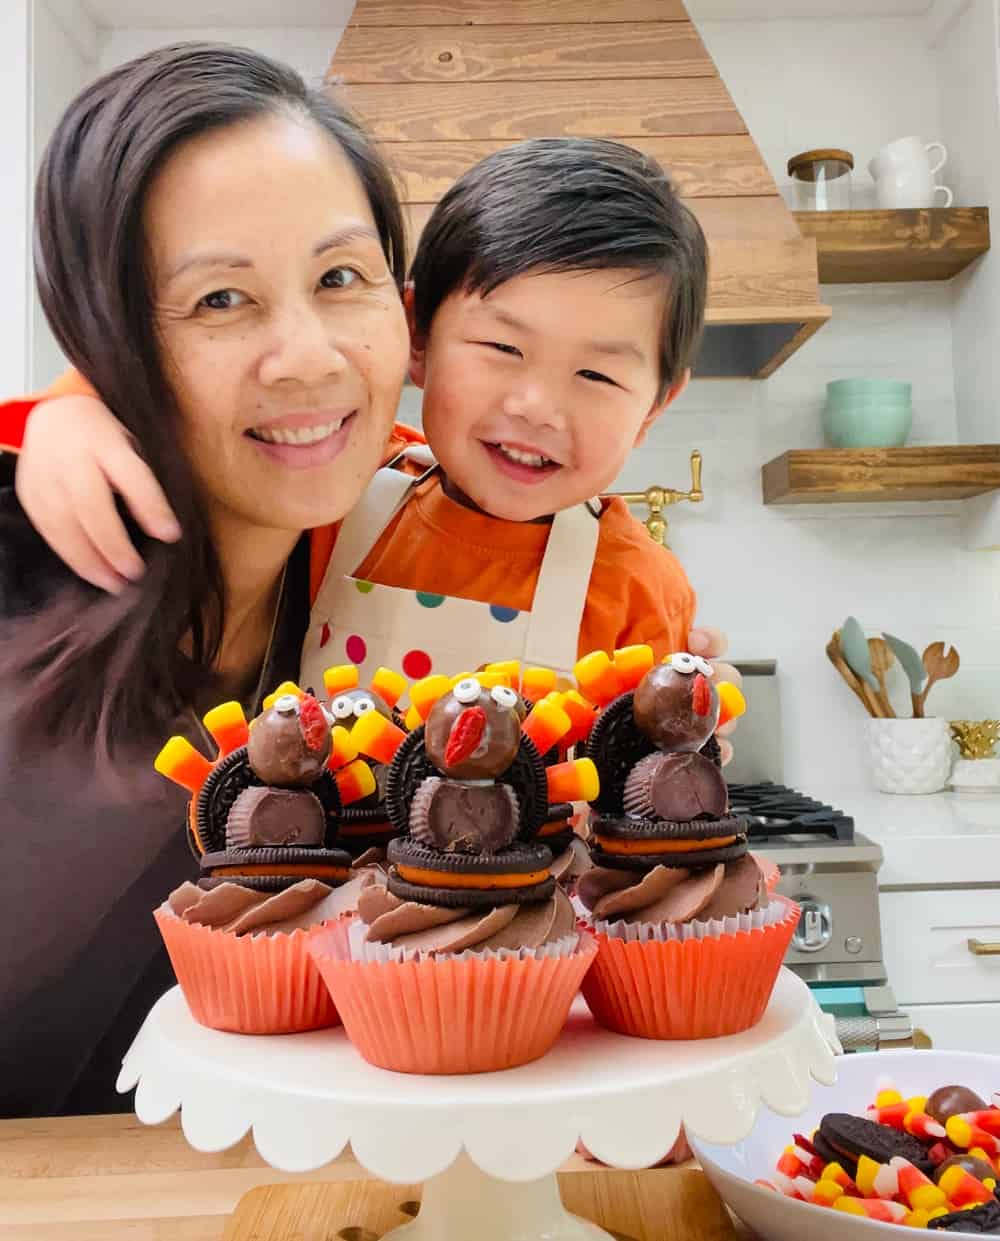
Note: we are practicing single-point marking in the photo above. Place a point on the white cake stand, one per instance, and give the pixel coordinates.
(487, 1145)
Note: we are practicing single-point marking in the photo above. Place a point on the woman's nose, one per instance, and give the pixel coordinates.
(303, 348)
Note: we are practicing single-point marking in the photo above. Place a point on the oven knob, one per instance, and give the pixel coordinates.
(853, 944)
(815, 929)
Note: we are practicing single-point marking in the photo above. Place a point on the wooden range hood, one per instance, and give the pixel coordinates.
(442, 83)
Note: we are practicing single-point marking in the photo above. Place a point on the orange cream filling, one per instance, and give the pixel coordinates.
(663, 846)
(551, 829)
(448, 879)
(308, 869)
(366, 829)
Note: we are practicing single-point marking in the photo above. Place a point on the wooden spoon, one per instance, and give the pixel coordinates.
(840, 663)
(940, 665)
(882, 659)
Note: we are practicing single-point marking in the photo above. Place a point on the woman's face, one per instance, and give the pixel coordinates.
(282, 331)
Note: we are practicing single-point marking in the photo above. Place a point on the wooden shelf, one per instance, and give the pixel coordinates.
(877, 247)
(853, 475)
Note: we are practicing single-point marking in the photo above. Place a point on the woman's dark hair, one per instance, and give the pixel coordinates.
(567, 204)
(110, 668)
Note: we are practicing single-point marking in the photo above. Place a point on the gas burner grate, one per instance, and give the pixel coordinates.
(775, 812)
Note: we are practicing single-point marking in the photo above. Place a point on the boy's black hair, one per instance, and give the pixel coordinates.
(567, 204)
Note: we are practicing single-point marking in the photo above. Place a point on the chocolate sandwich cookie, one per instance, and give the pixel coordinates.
(514, 875)
(411, 767)
(980, 1219)
(232, 776)
(846, 1138)
(557, 832)
(615, 745)
(363, 828)
(270, 870)
(629, 843)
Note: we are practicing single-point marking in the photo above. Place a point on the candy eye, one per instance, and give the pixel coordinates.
(468, 690)
(503, 696)
(342, 707)
(681, 661)
(287, 704)
(362, 707)
(327, 715)
(703, 666)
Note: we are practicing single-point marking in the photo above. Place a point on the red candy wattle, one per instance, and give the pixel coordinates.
(466, 734)
(701, 696)
(313, 723)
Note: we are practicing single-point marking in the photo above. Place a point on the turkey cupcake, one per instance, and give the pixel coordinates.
(469, 958)
(689, 939)
(263, 823)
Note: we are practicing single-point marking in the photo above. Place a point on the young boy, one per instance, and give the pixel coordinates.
(557, 299)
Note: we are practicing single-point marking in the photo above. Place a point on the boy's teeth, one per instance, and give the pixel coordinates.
(523, 458)
(296, 435)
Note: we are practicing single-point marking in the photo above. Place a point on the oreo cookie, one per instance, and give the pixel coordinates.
(557, 831)
(981, 1219)
(411, 766)
(636, 831)
(228, 779)
(269, 870)
(849, 1137)
(407, 856)
(615, 745)
(364, 828)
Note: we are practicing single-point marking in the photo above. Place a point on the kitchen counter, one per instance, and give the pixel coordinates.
(112, 1178)
(934, 841)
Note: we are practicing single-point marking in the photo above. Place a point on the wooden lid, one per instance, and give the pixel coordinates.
(802, 165)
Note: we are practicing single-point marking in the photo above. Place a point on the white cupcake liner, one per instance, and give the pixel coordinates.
(380, 952)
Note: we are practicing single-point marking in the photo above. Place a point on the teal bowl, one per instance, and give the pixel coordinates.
(862, 423)
(883, 389)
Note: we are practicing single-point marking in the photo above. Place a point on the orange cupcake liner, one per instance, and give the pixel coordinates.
(247, 984)
(688, 989)
(440, 1015)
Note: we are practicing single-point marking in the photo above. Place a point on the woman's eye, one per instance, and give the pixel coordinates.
(597, 377)
(339, 278)
(223, 299)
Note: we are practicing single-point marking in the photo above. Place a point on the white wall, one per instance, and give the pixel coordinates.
(15, 121)
(307, 48)
(64, 61)
(780, 580)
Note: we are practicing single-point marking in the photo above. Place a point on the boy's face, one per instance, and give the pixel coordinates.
(535, 395)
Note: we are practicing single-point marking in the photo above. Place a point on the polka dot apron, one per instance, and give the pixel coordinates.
(417, 633)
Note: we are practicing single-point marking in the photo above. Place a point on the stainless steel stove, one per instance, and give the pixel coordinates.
(826, 865)
(831, 870)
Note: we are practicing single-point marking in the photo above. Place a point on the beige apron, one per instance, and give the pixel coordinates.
(417, 633)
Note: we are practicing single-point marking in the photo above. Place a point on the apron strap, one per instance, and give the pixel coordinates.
(364, 525)
(561, 593)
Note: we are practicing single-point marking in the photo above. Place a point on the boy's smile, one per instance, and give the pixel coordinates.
(535, 394)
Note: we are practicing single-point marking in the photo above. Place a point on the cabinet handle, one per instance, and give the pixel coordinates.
(980, 949)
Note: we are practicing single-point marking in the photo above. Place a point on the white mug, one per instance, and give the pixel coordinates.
(904, 174)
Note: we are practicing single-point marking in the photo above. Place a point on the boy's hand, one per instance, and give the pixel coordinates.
(712, 644)
(76, 455)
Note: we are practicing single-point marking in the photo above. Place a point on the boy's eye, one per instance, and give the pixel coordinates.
(339, 278)
(597, 377)
(223, 299)
(511, 350)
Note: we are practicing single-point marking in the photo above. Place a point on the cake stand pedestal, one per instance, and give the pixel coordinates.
(487, 1146)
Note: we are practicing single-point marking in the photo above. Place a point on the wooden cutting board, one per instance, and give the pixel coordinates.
(657, 1205)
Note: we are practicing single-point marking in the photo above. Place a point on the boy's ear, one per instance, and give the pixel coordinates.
(417, 366)
(672, 393)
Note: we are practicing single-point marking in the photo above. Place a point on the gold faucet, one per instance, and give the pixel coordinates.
(657, 498)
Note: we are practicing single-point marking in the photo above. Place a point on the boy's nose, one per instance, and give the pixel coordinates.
(301, 348)
(535, 404)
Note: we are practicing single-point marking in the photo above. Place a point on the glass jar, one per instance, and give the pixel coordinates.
(821, 180)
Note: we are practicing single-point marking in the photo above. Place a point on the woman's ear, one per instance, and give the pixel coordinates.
(672, 393)
(417, 366)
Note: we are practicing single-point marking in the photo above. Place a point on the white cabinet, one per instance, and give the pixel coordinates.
(925, 945)
(958, 1027)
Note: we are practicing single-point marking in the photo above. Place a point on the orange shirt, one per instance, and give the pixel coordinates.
(638, 590)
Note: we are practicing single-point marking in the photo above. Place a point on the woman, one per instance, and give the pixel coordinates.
(221, 252)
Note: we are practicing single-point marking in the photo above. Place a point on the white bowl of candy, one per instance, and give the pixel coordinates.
(824, 1187)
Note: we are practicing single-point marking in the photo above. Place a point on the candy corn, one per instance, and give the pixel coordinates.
(576, 780)
(581, 714)
(181, 762)
(355, 781)
(988, 1120)
(340, 678)
(922, 1126)
(962, 1188)
(286, 687)
(893, 1114)
(377, 737)
(868, 1170)
(918, 1190)
(825, 1193)
(343, 748)
(413, 719)
(228, 727)
(537, 682)
(390, 686)
(963, 1134)
(632, 663)
(425, 692)
(546, 725)
(732, 704)
(597, 678)
(872, 1208)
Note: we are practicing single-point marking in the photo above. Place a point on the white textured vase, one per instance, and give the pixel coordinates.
(910, 756)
